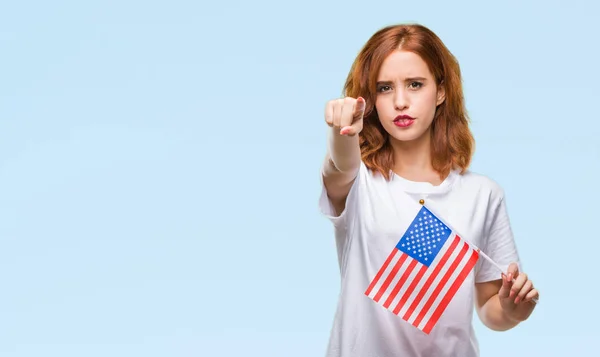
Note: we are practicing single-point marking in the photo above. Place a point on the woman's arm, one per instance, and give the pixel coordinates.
(342, 161)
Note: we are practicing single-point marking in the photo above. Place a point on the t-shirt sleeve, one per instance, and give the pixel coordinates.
(499, 245)
(340, 221)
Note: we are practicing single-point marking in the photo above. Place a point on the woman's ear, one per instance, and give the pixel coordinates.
(441, 93)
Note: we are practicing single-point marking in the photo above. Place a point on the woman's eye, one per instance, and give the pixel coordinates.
(416, 85)
(384, 88)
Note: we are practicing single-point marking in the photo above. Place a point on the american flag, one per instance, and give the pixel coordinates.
(423, 272)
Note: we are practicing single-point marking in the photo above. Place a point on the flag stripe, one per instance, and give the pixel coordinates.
(390, 277)
(450, 294)
(389, 270)
(436, 280)
(410, 289)
(435, 272)
(446, 286)
(411, 277)
(378, 276)
(400, 283)
(440, 285)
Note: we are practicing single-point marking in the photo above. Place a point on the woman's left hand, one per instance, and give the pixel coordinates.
(515, 296)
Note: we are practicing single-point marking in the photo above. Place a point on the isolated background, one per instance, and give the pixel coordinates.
(159, 167)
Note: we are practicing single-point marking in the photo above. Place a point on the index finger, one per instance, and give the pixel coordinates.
(359, 110)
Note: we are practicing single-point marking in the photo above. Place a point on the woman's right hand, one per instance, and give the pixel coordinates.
(346, 114)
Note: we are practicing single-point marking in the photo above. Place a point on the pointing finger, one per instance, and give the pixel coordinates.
(357, 117)
(359, 111)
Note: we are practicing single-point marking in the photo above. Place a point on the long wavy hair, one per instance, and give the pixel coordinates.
(452, 142)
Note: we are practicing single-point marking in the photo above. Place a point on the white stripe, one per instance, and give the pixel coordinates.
(436, 281)
(427, 274)
(404, 287)
(447, 286)
(394, 281)
(385, 274)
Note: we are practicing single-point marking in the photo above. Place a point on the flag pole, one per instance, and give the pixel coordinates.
(422, 203)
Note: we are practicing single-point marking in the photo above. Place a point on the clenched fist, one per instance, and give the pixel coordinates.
(346, 114)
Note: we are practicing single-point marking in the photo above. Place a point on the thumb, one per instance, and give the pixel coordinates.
(352, 129)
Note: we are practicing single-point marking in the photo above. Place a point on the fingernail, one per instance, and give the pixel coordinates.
(512, 293)
(517, 299)
(509, 276)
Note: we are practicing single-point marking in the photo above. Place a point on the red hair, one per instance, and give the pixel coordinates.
(452, 142)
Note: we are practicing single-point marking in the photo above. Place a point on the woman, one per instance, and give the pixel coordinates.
(399, 141)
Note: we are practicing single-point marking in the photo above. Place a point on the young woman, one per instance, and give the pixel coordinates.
(399, 140)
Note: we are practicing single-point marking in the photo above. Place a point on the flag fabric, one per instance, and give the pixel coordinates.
(423, 272)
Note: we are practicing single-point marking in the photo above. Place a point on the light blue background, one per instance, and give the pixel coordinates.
(159, 168)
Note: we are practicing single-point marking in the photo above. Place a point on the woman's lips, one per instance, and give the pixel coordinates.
(403, 121)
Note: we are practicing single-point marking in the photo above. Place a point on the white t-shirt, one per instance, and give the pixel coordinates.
(376, 216)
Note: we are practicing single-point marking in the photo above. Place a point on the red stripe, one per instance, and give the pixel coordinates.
(400, 283)
(450, 294)
(385, 265)
(410, 289)
(441, 284)
(431, 278)
(390, 277)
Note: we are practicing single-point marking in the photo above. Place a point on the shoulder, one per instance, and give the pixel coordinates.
(482, 184)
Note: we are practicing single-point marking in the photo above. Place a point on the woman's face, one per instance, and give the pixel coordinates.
(407, 96)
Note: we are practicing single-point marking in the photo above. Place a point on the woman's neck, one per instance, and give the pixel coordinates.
(412, 160)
